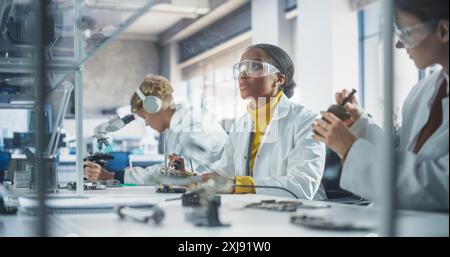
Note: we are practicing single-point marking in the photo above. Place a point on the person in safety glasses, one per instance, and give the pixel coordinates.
(271, 145)
(422, 28)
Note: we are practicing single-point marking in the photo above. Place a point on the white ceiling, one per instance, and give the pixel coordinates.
(161, 17)
(155, 22)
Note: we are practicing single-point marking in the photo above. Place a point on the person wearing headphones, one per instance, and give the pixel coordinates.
(153, 102)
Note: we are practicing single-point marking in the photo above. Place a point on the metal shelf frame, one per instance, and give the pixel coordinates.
(38, 65)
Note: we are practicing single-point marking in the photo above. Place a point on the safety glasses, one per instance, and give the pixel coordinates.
(412, 36)
(253, 69)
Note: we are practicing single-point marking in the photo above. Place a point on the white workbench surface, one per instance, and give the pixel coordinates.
(244, 222)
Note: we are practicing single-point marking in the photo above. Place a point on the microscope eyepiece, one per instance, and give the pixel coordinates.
(127, 119)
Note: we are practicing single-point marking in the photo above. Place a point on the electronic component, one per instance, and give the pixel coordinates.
(205, 211)
(326, 224)
(273, 205)
(283, 206)
(99, 158)
(192, 199)
(176, 165)
(87, 186)
(206, 216)
(112, 183)
(339, 110)
(175, 173)
(156, 214)
(170, 189)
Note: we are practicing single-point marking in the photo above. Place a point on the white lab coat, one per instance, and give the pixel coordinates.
(186, 127)
(422, 179)
(288, 157)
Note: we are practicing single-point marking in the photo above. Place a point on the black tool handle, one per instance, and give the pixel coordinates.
(349, 97)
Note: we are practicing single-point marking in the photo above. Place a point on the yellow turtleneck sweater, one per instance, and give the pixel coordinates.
(261, 117)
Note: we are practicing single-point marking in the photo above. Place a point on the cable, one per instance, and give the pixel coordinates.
(173, 199)
(192, 166)
(267, 187)
(270, 187)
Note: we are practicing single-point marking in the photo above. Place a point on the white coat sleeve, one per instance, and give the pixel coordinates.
(365, 128)
(205, 148)
(420, 185)
(141, 176)
(225, 165)
(305, 166)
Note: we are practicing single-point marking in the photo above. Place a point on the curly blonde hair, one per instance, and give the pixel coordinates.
(153, 85)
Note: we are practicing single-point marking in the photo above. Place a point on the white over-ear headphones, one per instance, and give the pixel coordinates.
(151, 104)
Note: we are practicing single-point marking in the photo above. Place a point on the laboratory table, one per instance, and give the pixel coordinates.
(243, 222)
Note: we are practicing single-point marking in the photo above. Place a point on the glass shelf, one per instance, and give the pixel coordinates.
(77, 29)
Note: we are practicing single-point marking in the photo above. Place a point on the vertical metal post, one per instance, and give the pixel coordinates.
(79, 98)
(388, 167)
(165, 152)
(362, 65)
(39, 172)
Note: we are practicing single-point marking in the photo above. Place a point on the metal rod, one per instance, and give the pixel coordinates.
(54, 139)
(165, 153)
(79, 101)
(23, 67)
(349, 97)
(388, 167)
(39, 172)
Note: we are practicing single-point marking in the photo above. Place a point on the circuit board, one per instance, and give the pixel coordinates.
(87, 186)
(273, 205)
(176, 173)
(284, 206)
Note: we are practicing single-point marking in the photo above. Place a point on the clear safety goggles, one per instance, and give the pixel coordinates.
(253, 69)
(412, 36)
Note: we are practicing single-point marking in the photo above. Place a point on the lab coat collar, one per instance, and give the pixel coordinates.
(446, 79)
(281, 111)
(445, 101)
(176, 121)
(176, 118)
(436, 85)
(433, 83)
(271, 133)
(282, 108)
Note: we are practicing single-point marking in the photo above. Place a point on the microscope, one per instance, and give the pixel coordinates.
(111, 125)
(100, 133)
(100, 158)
